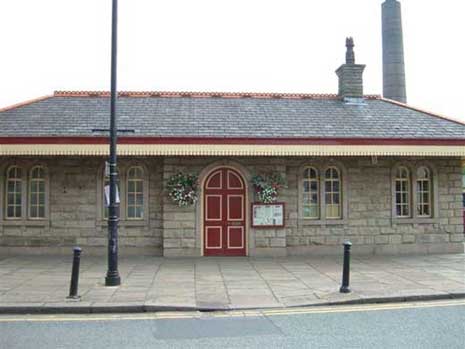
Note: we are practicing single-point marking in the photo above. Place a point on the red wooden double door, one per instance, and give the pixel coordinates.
(224, 214)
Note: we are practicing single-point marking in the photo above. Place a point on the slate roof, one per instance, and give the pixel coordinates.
(233, 115)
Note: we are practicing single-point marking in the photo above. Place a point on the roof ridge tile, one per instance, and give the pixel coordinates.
(204, 94)
(24, 103)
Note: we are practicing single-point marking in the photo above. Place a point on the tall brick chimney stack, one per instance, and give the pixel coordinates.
(393, 52)
(350, 75)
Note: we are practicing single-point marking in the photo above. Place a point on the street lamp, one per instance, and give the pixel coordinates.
(113, 278)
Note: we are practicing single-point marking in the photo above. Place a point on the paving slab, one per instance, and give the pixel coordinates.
(41, 283)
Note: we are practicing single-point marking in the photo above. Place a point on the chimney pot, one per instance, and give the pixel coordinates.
(350, 55)
(350, 75)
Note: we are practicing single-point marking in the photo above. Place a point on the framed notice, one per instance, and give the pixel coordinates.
(268, 215)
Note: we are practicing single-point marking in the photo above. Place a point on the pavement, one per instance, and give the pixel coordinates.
(40, 284)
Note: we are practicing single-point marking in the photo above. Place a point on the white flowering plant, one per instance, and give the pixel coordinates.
(182, 189)
(267, 187)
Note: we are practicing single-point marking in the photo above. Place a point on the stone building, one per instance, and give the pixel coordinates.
(378, 172)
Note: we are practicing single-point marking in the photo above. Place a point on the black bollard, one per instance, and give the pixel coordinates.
(73, 289)
(346, 268)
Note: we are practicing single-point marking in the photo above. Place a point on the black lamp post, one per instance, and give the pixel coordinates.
(113, 278)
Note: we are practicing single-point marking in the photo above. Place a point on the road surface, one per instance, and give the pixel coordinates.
(439, 324)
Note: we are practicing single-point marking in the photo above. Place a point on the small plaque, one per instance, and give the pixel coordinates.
(268, 215)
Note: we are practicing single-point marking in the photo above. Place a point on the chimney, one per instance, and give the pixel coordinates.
(393, 52)
(350, 75)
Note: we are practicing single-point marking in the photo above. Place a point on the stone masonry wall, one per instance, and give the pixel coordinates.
(75, 215)
(367, 220)
(182, 226)
(75, 209)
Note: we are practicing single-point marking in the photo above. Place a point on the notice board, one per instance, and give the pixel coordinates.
(268, 215)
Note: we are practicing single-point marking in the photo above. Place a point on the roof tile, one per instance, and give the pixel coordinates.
(183, 114)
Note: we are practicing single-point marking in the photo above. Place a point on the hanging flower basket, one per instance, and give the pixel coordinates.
(267, 187)
(182, 189)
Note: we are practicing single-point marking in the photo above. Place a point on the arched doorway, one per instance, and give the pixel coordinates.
(224, 213)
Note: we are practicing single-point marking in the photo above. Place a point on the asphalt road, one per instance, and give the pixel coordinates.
(404, 325)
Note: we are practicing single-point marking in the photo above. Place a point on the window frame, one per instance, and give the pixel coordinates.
(310, 192)
(420, 202)
(123, 168)
(409, 186)
(414, 217)
(321, 167)
(5, 201)
(332, 192)
(25, 219)
(29, 192)
(140, 179)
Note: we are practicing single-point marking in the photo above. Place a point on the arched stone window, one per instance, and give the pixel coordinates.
(135, 193)
(332, 188)
(321, 197)
(402, 192)
(311, 193)
(132, 195)
(37, 191)
(14, 190)
(423, 192)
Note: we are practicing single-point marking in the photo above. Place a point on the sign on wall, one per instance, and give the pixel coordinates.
(106, 191)
(268, 215)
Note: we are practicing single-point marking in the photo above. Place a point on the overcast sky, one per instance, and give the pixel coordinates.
(219, 45)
